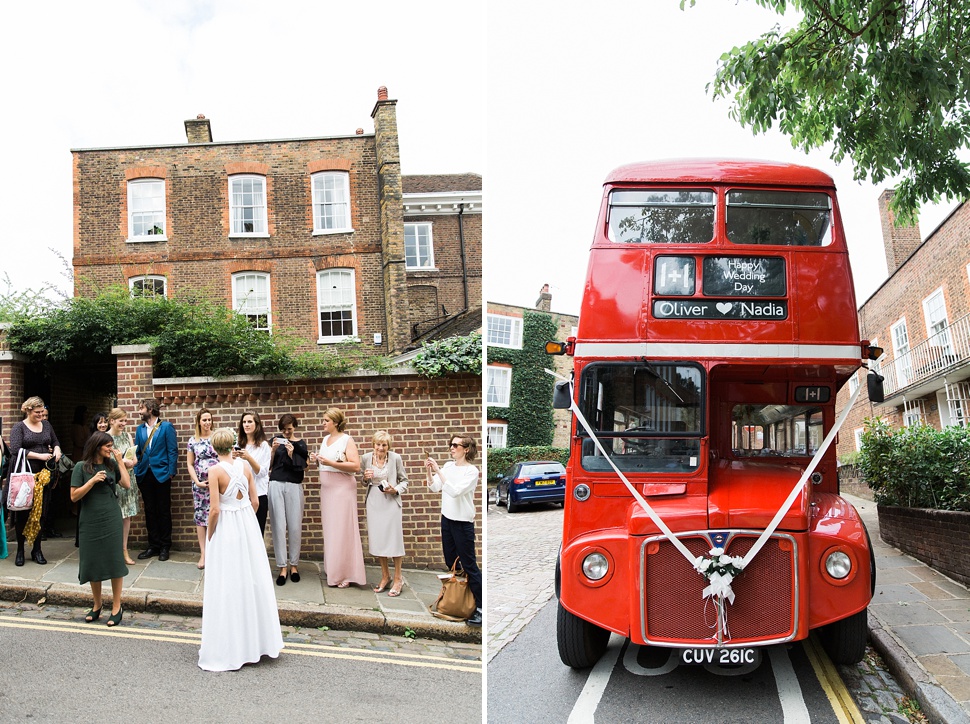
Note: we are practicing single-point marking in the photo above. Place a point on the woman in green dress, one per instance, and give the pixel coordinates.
(127, 497)
(93, 486)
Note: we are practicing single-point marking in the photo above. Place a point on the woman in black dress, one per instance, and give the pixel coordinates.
(93, 486)
(35, 435)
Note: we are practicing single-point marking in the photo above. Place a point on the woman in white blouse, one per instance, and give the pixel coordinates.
(253, 448)
(457, 482)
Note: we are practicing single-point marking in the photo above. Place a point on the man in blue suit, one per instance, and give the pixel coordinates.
(158, 454)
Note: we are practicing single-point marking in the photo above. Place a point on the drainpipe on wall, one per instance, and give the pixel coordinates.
(464, 268)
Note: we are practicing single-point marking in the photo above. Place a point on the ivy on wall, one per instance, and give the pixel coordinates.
(529, 414)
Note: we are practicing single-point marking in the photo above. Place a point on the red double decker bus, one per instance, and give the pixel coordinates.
(702, 504)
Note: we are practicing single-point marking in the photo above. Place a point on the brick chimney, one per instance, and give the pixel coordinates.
(391, 192)
(198, 130)
(544, 302)
(899, 241)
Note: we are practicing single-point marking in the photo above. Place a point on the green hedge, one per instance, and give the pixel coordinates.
(917, 467)
(500, 459)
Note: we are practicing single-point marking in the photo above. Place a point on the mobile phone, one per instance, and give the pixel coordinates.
(236, 447)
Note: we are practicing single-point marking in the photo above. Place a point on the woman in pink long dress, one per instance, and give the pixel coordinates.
(343, 555)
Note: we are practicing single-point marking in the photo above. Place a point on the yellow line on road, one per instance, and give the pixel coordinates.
(833, 686)
(298, 649)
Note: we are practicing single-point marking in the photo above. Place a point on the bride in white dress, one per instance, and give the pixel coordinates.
(240, 618)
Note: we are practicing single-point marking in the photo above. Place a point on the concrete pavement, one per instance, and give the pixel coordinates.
(175, 587)
(919, 620)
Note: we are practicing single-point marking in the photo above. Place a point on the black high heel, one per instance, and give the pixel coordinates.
(93, 615)
(19, 560)
(37, 556)
(116, 619)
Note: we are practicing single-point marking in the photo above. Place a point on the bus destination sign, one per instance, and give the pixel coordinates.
(744, 276)
(764, 309)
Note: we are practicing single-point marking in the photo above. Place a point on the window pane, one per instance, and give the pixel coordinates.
(662, 217)
(248, 205)
(786, 218)
(331, 208)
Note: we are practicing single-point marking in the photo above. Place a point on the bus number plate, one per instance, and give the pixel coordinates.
(720, 657)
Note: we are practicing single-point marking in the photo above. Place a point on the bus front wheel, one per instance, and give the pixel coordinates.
(581, 643)
(845, 641)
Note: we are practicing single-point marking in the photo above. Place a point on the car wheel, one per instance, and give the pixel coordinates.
(513, 507)
(498, 497)
(581, 643)
(845, 641)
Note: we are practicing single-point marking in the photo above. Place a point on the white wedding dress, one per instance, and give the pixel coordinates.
(240, 618)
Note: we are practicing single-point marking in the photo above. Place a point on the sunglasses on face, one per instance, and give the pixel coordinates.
(458, 444)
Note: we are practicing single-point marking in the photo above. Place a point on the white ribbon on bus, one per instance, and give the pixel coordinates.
(722, 589)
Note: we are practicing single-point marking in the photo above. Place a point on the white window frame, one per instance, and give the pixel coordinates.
(331, 299)
(422, 242)
(155, 208)
(854, 382)
(148, 277)
(496, 435)
(936, 327)
(858, 438)
(248, 306)
(260, 218)
(331, 193)
(498, 386)
(510, 338)
(902, 360)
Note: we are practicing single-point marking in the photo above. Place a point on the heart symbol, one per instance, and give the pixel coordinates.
(724, 307)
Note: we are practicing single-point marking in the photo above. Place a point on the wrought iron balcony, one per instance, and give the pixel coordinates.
(945, 351)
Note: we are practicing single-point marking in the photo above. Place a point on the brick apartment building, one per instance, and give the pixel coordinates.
(321, 237)
(504, 329)
(920, 316)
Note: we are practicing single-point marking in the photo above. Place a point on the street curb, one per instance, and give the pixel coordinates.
(341, 618)
(935, 702)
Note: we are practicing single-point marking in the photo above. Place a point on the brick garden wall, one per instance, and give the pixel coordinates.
(939, 538)
(419, 414)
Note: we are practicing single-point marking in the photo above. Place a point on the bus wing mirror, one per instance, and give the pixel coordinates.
(876, 392)
(561, 398)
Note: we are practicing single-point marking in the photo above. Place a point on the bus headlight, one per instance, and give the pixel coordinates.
(581, 492)
(838, 565)
(595, 566)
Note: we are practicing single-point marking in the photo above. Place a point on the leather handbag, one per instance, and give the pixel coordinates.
(20, 492)
(455, 601)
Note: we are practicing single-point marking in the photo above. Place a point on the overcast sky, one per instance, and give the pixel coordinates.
(129, 72)
(574, 94)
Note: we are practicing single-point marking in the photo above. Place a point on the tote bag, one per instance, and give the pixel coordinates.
(455, 602)
(20, 494)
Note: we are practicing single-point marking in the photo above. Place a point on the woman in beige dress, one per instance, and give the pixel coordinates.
(385, 479)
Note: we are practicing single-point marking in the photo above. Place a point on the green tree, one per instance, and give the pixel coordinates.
(886, 82)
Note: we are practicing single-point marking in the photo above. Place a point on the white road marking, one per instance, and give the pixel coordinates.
(631, 664)
(585, 707)
(789, 692)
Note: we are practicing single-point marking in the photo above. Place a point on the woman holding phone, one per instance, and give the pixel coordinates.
(286, 471)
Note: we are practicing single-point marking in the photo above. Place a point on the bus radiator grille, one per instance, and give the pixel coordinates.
(677, 611)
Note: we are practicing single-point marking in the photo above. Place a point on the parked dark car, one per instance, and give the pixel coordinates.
(532, 481)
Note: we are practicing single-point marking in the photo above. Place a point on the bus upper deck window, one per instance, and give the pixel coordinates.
(662, 216)
(783, 218)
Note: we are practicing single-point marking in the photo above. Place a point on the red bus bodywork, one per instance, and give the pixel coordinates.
(797, 337)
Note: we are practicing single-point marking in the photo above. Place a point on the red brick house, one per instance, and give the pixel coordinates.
(322, 237)
(920, 316)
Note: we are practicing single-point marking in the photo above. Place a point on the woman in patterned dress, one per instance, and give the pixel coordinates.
(127, 497)
(201, 457)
